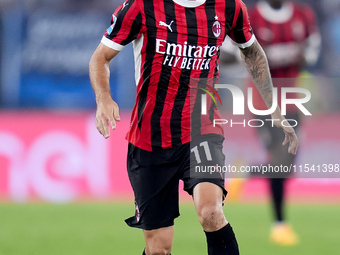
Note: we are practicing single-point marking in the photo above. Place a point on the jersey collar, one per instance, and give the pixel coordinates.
(190, 3)
(276, 16)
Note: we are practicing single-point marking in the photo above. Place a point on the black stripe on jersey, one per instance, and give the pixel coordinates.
(212, 41)
(239, 35)
(196, 118)
(230, 7)
(119, 22)
(136, 26)
(195, 121)
(150, 46)
(163, 85)
(211, 14)
(184, 82)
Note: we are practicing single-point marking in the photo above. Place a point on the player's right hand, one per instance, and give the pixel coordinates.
(107, 114)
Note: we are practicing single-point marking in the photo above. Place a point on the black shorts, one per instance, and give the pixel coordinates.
(154, 177)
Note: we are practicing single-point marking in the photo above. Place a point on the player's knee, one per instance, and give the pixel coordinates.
(158, 250)
(211, 217)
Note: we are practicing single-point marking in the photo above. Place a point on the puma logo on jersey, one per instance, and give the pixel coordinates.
(162, 23)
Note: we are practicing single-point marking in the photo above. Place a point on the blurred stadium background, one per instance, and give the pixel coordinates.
(64, 189)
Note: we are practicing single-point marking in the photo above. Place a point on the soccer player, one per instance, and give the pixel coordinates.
(176, 41)
(288, 33)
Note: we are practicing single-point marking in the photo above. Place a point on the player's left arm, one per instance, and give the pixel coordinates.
(257, 65)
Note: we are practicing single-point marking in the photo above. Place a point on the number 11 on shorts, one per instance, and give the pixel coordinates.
(205, 146)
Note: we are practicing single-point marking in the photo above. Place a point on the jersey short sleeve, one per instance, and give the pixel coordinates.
(241, 32)
(126, 25)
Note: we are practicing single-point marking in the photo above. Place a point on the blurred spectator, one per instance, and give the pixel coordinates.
(331, 26)
(289, 35)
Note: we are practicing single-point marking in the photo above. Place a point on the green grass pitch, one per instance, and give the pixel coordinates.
(99, 228)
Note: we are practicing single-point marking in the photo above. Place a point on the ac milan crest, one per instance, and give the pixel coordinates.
(216, 28)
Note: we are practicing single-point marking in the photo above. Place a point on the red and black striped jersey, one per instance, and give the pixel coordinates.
(175, 42)
(289, 36)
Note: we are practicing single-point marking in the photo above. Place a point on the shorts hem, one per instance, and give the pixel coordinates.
(215, 181)
(131, 222)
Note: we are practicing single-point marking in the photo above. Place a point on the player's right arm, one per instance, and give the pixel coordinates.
(107, 109)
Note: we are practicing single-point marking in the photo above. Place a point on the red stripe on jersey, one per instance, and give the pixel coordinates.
(186, 125)
(247, 29)
(214, 58)
(183, 36)
(172, 86)
(135, 135)
(220, 14)
(202, 30)
(203, 33)
(237, 12)
(134, 132)
(211, 39)
(241, 31)
(154, 77)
